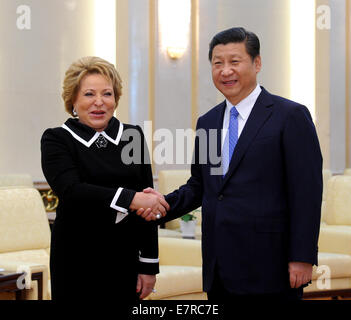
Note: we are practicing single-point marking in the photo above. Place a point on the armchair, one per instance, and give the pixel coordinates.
(25, 237)
(335, 240)
(180, 276)
(11, 180)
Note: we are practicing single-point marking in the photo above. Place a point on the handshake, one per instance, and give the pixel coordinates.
(149, 204)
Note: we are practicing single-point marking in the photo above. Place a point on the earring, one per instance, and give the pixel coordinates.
(74, 112)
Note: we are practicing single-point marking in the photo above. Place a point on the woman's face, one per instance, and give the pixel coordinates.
(95, 101)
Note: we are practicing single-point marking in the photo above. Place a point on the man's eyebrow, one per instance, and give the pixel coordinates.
(234, 55)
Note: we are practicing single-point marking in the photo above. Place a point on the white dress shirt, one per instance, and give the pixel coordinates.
(244, 108)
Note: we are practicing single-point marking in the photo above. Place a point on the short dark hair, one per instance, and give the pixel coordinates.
(237, 35)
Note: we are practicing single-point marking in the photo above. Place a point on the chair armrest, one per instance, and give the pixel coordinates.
(335, 239)
(31, 271)
(180, 252)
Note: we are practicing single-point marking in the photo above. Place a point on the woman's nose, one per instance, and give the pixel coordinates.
(98, 100)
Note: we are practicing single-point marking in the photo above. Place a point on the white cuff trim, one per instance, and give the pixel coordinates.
(148, 260)
(120, 216)
(114, 201)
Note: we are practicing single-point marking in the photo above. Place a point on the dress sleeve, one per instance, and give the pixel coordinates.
(148, 231)
(60, 171)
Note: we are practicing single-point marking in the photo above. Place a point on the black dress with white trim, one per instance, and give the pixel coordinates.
(98, 247)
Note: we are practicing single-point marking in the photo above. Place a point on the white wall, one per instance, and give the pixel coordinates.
(337, 87)
(33, 62)
(269, 19)
(32, 66)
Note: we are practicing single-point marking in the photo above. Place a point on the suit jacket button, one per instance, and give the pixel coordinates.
(220, 198)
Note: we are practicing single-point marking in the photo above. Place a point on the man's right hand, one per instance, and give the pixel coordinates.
(149, 204)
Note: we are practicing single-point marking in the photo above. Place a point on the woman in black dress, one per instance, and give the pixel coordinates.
(98, 167)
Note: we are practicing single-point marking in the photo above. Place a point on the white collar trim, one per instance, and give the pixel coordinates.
(96, 135)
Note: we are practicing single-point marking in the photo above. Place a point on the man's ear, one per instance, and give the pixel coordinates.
(258, 63)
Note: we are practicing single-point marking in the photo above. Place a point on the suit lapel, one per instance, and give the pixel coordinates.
(217, 126)
(258, 116)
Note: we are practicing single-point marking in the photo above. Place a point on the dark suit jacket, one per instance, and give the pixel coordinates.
(266, 211)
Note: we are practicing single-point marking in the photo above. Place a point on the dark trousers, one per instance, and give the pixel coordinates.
(218, 293)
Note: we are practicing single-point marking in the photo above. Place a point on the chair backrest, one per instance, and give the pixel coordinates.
(338, 203)
(168, 181)
(23, 220)
(327, 174)
(11, 180)
(181, 252)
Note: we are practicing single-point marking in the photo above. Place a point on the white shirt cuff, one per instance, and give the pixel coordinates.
(114, 201)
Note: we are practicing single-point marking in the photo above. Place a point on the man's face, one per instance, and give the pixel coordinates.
(233, 71)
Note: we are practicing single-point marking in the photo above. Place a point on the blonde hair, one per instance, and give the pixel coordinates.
(85, 66)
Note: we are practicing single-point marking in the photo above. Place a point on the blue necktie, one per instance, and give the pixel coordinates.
(230, 140)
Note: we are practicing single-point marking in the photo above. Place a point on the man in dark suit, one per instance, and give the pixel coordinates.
(261, 205)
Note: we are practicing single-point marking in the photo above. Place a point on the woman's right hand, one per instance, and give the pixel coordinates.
(148, 205)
